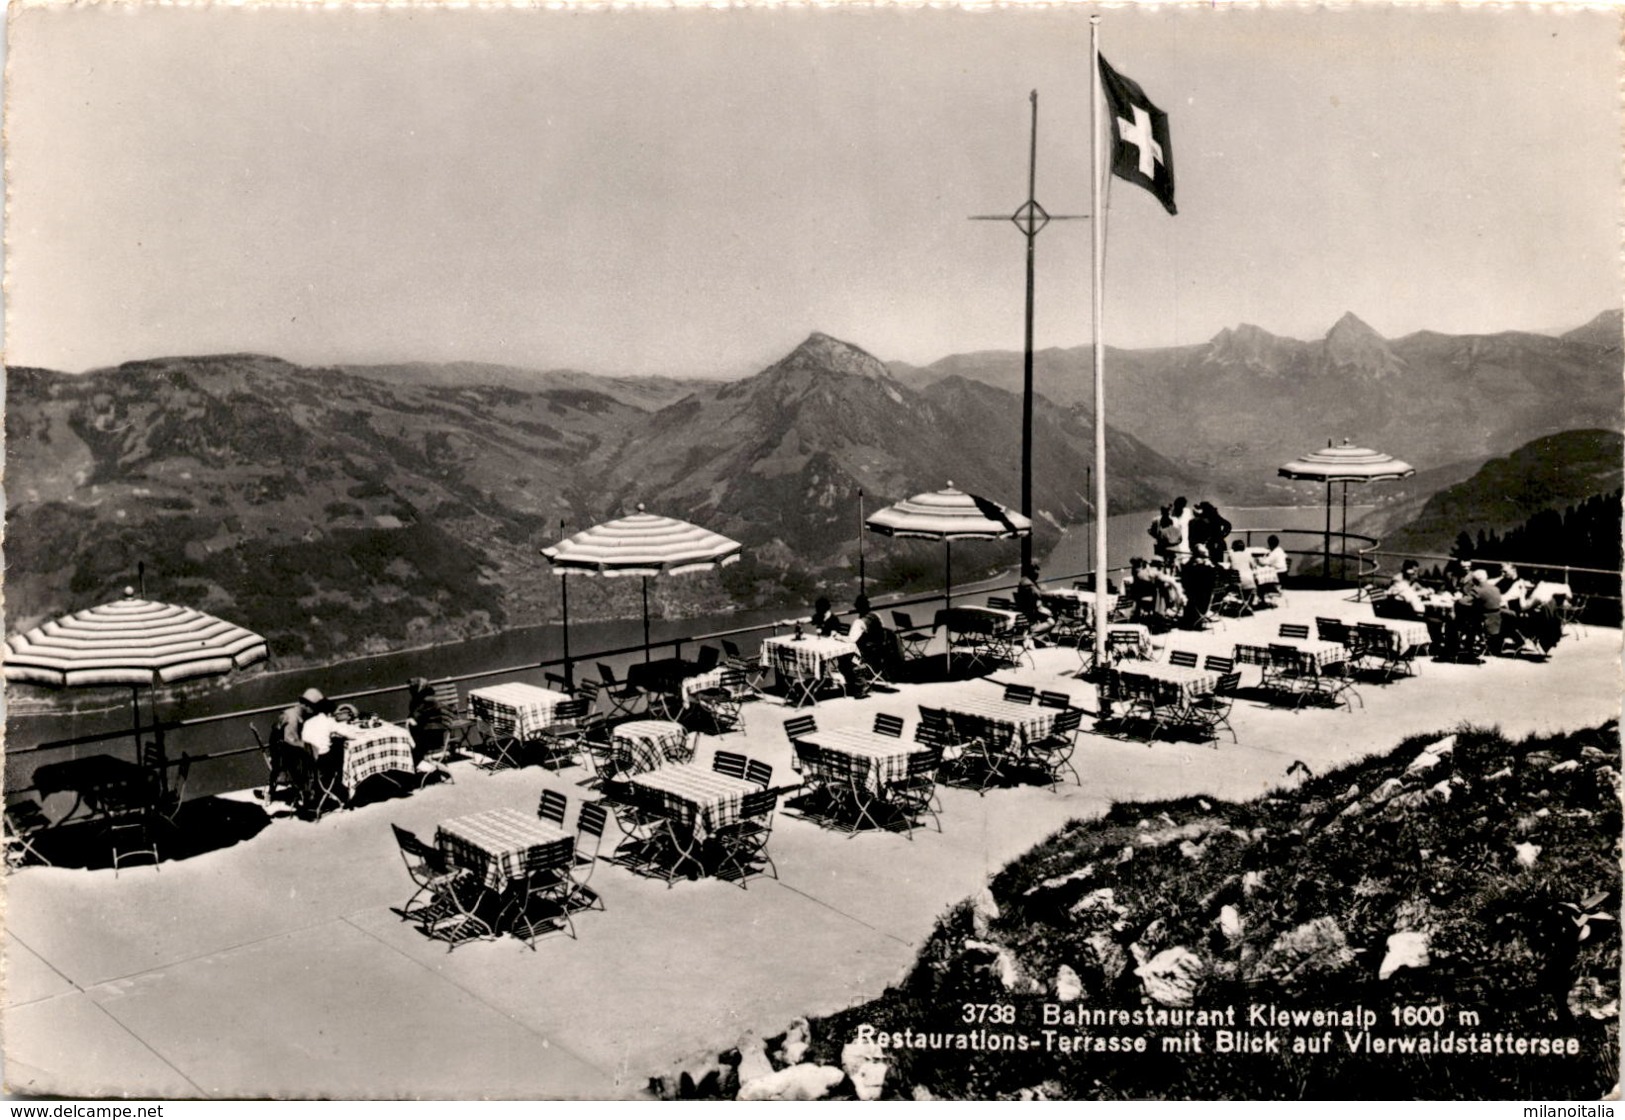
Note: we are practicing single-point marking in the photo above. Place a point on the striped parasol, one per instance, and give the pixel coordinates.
(132, 642)
(949, 515)
(641, 544)
(1343, 464)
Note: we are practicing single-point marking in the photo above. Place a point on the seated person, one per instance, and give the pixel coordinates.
(824, 621)
(876, 643)
(1276, 557)
(1242, 561)
(427, 718)
(319, 730)
(1405, 592)
(1158, 599)
(1200, 578)
(1040, 619)
(1478, 609)
(288, 730)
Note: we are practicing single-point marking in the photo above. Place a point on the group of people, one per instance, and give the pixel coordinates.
(876, 642)
(1505, 611)
(307, 738)
(1190, 544)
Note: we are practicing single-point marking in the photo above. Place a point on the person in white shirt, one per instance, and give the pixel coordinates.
(1277, 557)
(1183, 515)
(1242, 561)
(319, 730)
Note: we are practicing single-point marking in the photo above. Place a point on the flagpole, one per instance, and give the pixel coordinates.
(1098, 246)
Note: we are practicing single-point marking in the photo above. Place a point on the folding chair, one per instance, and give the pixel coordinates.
(758, 772)
(553, 807)
(1054, 700)
(500, 737)
(734, 658)
(1284, 673)
(915, 794)
(277, 766)
(1001, 603)
(722, 703)
(641, 818)
(1351, 638)
(801, 682)
(543, 901)
(1019, 694)
(1053, 753)
(708, 658)
(849, 781)
(1183, 658)
(624, 699)
(589, 826)
(1381, 649)
(742, 844)
(1296, 630)
(1209, 714)
(561, 738)
(795, 729)
(453, 894)
(730, 763)
(24, 821)
(1231, 596)
(460, 722)
(888, 725)
(1217, 664)
(166, 807)
(911, 639)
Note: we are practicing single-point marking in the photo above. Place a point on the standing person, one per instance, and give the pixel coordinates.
(1182, 515)
(1208, 533)
(1167, 534)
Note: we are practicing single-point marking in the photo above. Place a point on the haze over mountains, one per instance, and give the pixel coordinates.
(355, 509)
(1238, 405)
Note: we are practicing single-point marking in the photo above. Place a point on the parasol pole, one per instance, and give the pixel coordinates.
(947, 603)
(1343, 564)
(647, 657)
(564, 592)
(1326, 558)
(863, 584)
(1098, 246)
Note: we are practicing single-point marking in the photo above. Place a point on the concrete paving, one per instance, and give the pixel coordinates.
(276, 968)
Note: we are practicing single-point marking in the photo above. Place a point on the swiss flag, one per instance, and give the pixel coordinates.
(1140, 149)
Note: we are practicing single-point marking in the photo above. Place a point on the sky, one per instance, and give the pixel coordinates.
(693, 192)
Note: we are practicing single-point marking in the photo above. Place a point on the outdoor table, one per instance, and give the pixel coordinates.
(1071, 600)
(697, 802)
(499, 845)
(1408, 634)
(1131, 635)
(1005, 728)
(980, 633)
(640, 745)
(524, 707)
(699, 682)
(1312, 652)
(809, 658)
(101, 783)
(884, 758)
(373, 750)
(1190, 683)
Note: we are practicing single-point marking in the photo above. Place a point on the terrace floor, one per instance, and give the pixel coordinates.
(275, 968)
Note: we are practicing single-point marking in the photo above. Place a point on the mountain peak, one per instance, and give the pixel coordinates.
(1352, 326)
(821, 353)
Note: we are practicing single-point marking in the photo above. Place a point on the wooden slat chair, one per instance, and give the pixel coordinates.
(915, 794)
(708, 658)
(1001, 603)
(1058, 700)
(1230, 597)
(1294, 630)
(499, 736)
(1182, 657)
(1384, 653)
(795, 729)
(1053, 753)
(731, 763)
(754, 670)
(911, 639)
(589, 843)
(1286, 675)
(640, 816)
(25, 823)
(1210, 714)
(1215, 663)
(280, 770)
(623, 698)
(553, 807)
(1349, 637)
(1019, 694)
(742, 844)
(543, 902)
(561, 739)
(596, 740)
(888, 725)
(460, 722)
(449, 894)
(721, 704)
(758, 772)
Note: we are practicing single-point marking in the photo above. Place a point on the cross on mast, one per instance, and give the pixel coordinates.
(1029, 218)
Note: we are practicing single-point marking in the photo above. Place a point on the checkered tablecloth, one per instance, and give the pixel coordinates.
(1072, 601)
(370, 751)
(1133, 637)
(648, 744)
(525, 707)
(886, 758)
(699, 799)
(1025, 722)
(1311, 651)
(812, 656)
(1190, 682)
(1407, 634)
(499, 845)
(699, 682)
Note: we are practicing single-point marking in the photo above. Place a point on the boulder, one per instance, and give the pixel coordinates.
(1193, 852)
(1443, 790)
(1230, 923)
(753, 1061)
(1527, 854)
(1102, 902)
(1109, 955)
(864, 1063)
(1501, 774)
(1406, 949)
(1390, 789)
(796, 1040)
(804, 1082)
(1563, 767)
(1589, 999)
(1005, 966)
(1055, 882)
(1405, 802)
(1126, 854)
(1171, 977)
(1252, 882)
(1352, 793)
(1314, 947)
(1068, 985)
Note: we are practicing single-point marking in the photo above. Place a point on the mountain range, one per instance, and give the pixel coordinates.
(338, 513)
(1235, 407)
